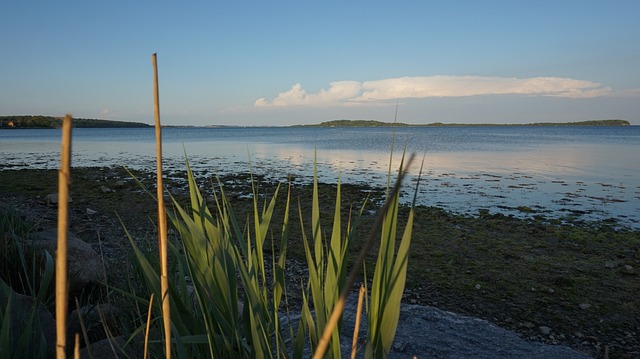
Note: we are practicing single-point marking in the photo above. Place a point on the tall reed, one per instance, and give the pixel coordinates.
(162, 217)
(62, 289)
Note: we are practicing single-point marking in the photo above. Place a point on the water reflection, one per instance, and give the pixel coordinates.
(593, 177)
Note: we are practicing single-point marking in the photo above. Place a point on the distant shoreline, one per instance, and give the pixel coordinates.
(371, 123)
(43, 122)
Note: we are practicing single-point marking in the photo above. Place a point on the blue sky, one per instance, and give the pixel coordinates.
(293, 62)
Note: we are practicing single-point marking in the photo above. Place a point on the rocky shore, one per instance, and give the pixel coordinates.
(548, 280)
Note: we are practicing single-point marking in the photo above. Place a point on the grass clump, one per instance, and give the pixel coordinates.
(25, 292)
(228, 300)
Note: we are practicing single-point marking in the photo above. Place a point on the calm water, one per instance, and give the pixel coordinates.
(591, 171)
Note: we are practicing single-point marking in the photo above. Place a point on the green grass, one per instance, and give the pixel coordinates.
(219, 262)
(26, 274)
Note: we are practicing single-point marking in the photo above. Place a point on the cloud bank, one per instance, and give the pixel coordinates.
(355, 92)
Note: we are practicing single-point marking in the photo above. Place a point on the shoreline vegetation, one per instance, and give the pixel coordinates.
(373, 123)
(28, 121)
(554, 281)
(9, 122)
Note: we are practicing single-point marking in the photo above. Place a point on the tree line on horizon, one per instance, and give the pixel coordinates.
(374, 123)
(39, 121)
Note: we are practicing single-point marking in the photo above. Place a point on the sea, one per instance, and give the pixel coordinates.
(589, 173)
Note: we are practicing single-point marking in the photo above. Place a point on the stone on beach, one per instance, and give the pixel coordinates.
(53, 199)
(85, 265)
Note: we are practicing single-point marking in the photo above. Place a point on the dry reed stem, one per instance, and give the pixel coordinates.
(76, 348)
(162, 217)
(146, 332)
(356, 329)
(62, 288)
(84, 328)
(339, 307)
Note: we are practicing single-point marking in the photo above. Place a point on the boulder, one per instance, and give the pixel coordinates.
(52, 199)
(111, 348)
(428, 332)
(25, 311)
(84, 263)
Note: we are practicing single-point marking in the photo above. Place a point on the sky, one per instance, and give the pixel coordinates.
(274, 63)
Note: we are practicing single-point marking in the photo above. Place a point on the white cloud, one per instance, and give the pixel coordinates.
(455, 86)
(350, 92)
(296, 96)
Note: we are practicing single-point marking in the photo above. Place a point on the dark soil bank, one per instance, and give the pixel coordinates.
(549, 280)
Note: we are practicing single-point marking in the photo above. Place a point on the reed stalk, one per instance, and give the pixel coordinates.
(76, 348)
(162, 217)
(62, 288)
(146, 332)
(83, 328)
(356, 329)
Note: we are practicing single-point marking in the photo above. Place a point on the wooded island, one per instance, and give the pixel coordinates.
(7, 122)
(373, 123)
(56, 122)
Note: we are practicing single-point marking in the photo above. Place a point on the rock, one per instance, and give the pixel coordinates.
(105, 189)
(629, 270)
(22, 308)
(545, 330)
(52, 199)
(84, 263)
(112, 348)
(90, 212)
(610, 264)
(584, 306)
(528, 325)
(431, 332)
(120, 184)
(478, 286)
(428, 332)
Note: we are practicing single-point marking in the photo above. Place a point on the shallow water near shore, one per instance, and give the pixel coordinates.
(585, 173)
